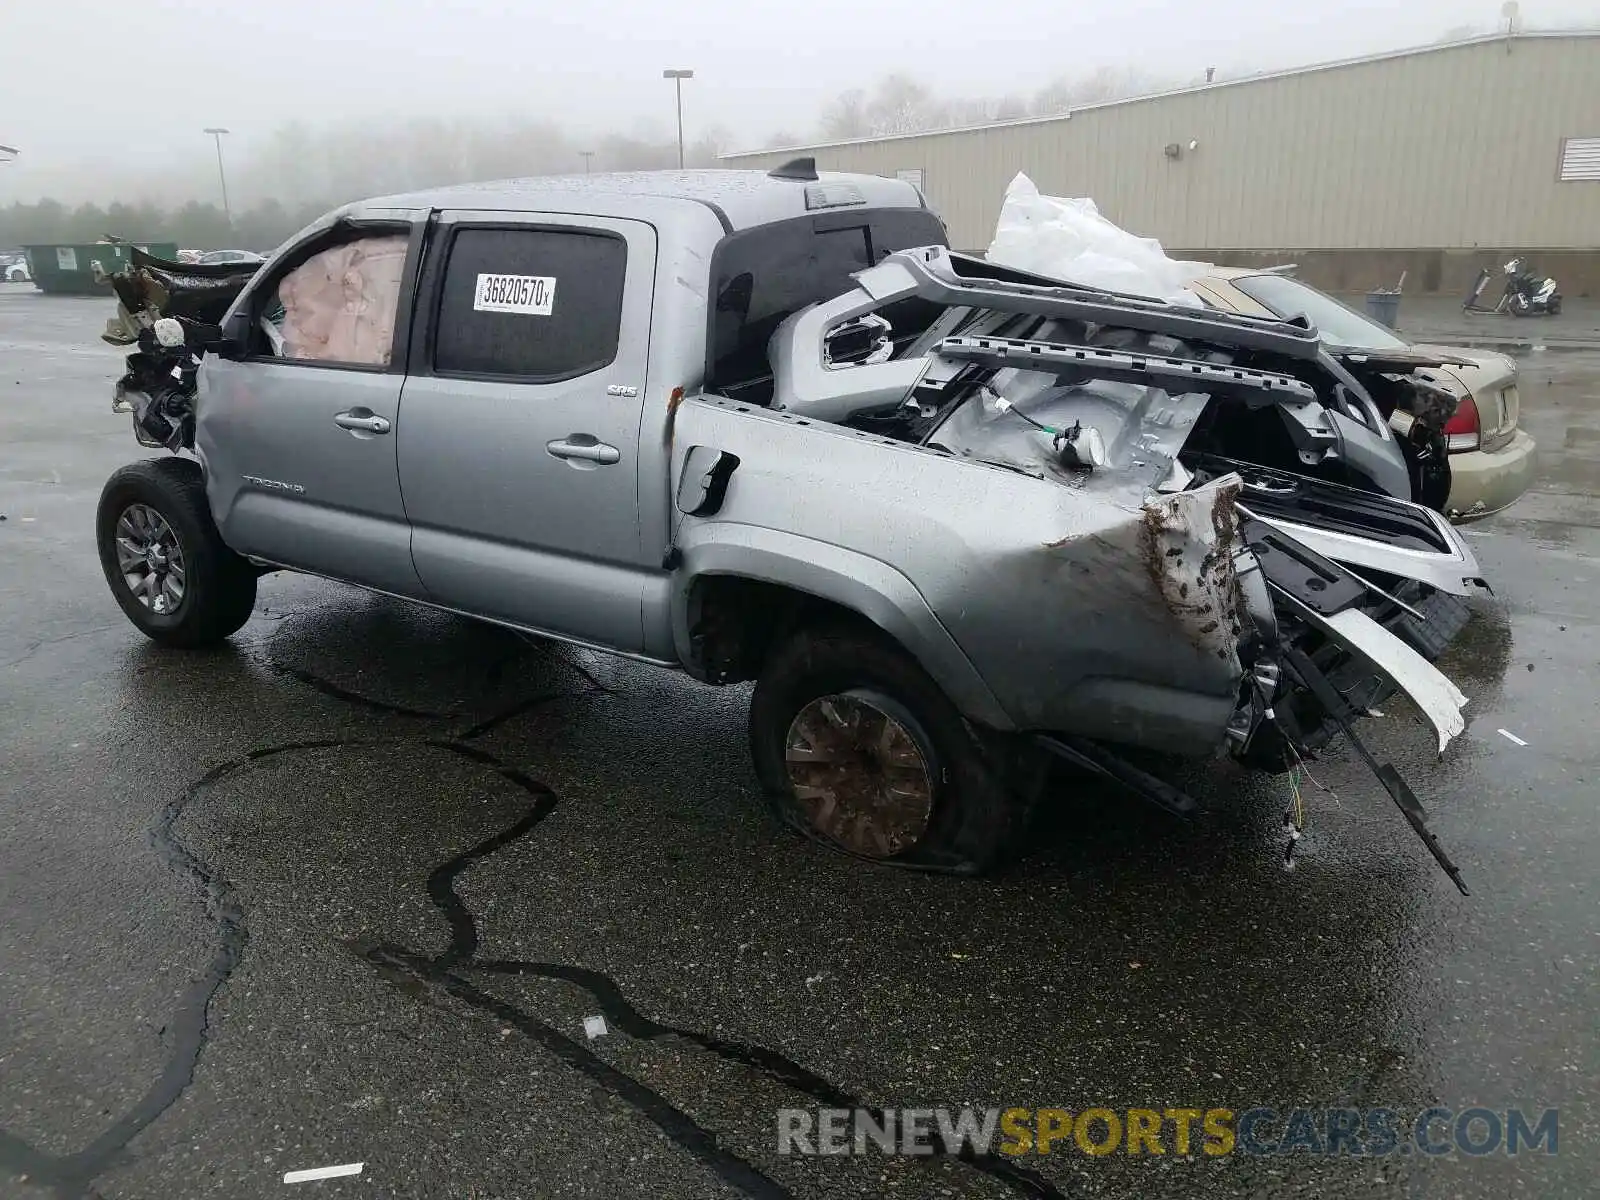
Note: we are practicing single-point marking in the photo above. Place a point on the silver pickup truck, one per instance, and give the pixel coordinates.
(954, 521)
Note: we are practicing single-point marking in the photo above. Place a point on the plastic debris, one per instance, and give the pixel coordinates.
(1511, 737)
(316, 1173)
(1068, 239)
(594, 1027)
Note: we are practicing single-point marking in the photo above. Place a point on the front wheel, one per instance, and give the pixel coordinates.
(858, 748)
(164, 559)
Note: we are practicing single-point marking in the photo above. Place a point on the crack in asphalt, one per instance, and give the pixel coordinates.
(329, 688)
(420, 975)
(33, 648)
(70, 1176)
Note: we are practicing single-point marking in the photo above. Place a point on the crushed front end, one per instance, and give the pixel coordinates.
(1246, 473)
(170, 313)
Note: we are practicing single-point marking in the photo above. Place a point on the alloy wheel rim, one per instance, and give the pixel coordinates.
(150, 559)
(860, 775)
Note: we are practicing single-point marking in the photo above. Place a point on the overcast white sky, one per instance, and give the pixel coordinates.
(593, 65)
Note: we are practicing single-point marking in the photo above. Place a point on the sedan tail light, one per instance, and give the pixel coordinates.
(1462, 431)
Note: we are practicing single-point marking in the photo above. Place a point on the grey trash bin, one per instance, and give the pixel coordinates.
(1384, 307)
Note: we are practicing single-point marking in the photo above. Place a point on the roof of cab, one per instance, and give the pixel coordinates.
(741, 199)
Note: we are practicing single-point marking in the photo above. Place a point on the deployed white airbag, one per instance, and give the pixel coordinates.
(1068, 239)
(340, 305)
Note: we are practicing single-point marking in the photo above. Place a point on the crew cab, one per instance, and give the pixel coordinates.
(955, 522)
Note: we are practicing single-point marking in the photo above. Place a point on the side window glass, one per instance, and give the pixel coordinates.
(339, 305)
(536, 305)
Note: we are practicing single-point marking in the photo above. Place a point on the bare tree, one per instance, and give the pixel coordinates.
(1010, 108)
(902, 105)
(845, 116)
(707, 148)
(1100, 85)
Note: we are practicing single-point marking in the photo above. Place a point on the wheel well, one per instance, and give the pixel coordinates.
(734, 623)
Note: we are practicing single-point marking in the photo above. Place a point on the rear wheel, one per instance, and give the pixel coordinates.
(163, 558)
(858, 748)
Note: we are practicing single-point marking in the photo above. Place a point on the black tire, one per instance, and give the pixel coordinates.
(979, 806)
(1555, 307)
(218, 586)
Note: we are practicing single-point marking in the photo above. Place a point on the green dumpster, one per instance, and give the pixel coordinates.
(65, 269)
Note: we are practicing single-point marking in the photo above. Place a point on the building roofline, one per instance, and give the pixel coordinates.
(1382, 56)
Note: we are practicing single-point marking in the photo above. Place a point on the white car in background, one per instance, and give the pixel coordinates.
(1492, 461)
(214, 257)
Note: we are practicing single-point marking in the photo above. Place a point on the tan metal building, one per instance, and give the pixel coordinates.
(1432, 161)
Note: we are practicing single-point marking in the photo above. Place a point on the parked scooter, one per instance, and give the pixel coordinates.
(1527, 293)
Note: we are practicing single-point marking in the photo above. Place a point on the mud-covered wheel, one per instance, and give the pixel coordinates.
(857, 747)
(164, 559)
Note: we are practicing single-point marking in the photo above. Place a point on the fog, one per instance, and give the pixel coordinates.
(107, 100)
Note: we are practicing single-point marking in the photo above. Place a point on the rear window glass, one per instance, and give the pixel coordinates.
(530, 304)
(762, 275)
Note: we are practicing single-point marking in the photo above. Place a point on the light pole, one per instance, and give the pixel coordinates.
(7, 153)
(216, 133)
(677, 78)
(586, 155)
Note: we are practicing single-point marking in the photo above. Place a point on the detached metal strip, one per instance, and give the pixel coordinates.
(1097, 759)
(1263, 387)
(1399, 791)
(1136, 368)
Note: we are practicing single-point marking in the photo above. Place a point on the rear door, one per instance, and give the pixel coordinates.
(298, 436)
(519, 445)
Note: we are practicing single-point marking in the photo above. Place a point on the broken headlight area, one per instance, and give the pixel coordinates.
(170, 312)
(158, 388)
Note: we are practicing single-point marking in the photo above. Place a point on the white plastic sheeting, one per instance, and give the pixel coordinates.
(1068, 239)
(339, 305)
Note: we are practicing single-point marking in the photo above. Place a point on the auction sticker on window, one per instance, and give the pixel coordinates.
(532, 295)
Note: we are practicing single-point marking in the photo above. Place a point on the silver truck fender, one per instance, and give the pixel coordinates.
(864, 585)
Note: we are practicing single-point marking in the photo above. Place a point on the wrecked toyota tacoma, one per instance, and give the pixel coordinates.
(956, 522)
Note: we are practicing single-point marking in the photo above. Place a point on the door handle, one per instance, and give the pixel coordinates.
(360, 420)
(584, 448)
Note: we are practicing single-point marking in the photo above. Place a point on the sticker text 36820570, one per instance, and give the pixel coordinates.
(532, 295)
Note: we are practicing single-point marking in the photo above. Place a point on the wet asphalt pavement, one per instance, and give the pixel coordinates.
(346, 890)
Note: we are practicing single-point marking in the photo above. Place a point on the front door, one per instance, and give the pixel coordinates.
(298, 436)
(519, 433)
